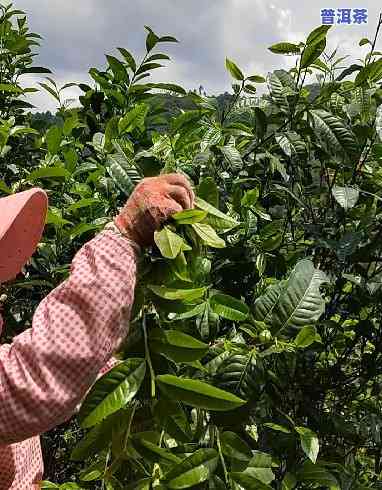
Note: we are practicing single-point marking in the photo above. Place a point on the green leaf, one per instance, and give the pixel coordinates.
(11, 88)
(348, 71)
(184, 120)
(167, 39)
(285, 48)
(371, 72)
(4, 188)
(99, 78)
(215, 218)
(118, 69)
(134, 119)
(213, 365)
(169, 243)
(318, 34)
(189, 216)
(112, 392)
(198, 393)
(234, 70)
(250, 89)
(211, 138)
(312, 52)
(143, 484)
(346, 196)
(260, 467)
(292, 144)
(234, 447)
(208, 191)
(285, 189)
(82, 228)
(279, 91)
(232, 157)
(97, 438)
(93, 472)
(35, 70)
(151, 39)
(271, 236)
(157, 452)
(314, 473)
(180, 267)
(128, 58)
(111, 132)
(250, 198)
(333, 134)
(177, 294)
(364, 41)
(277, 428)
(53, 139)
(48, 173)
(122, 170)
(17, 130)
(51, 91)
(261, 460)
(70, 124)
(236, 373)
(216, 483)
(309, 442)
(265, 304)
(172, 417)
(197, 310)
(93, 442)
(193, 470)
(30, 284)
(321, 66)
(68, 85)
(170, 87)
(208, 235)
(177, 346)
(297, 304)
(228, 307)
(261, 122)
(147, 67)
(306, 337)
(119, 174)
(54, 217)
(256, 79)
(264, 475)
(249, 482)
(289, 482)
(378, 122)
(157, 56)
(84, 203)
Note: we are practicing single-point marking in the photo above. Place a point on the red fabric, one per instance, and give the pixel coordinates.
(21, 226)
(47, 370)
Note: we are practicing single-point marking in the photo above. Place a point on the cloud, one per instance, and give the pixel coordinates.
(77, 34)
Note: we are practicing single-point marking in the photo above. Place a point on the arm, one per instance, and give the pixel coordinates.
(48, 369)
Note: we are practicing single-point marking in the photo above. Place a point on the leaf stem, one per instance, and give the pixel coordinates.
(226, 478)
(147, 356)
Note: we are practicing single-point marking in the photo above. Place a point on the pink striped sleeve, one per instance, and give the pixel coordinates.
(47, 369)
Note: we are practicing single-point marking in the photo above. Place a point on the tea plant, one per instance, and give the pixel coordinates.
(254, 348)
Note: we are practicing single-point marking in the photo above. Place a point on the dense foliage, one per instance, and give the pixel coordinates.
(255, 347)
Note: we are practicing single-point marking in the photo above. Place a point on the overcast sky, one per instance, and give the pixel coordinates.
(78, 33)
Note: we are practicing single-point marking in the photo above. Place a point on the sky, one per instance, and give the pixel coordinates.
(78, 33)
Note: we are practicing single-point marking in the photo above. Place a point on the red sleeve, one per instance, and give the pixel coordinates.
(47, 370)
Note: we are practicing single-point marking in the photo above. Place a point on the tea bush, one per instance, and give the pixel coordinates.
(254, 354)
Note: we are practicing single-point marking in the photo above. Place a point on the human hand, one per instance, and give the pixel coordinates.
(153, 201)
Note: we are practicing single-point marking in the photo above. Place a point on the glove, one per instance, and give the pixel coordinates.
(153, 201)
